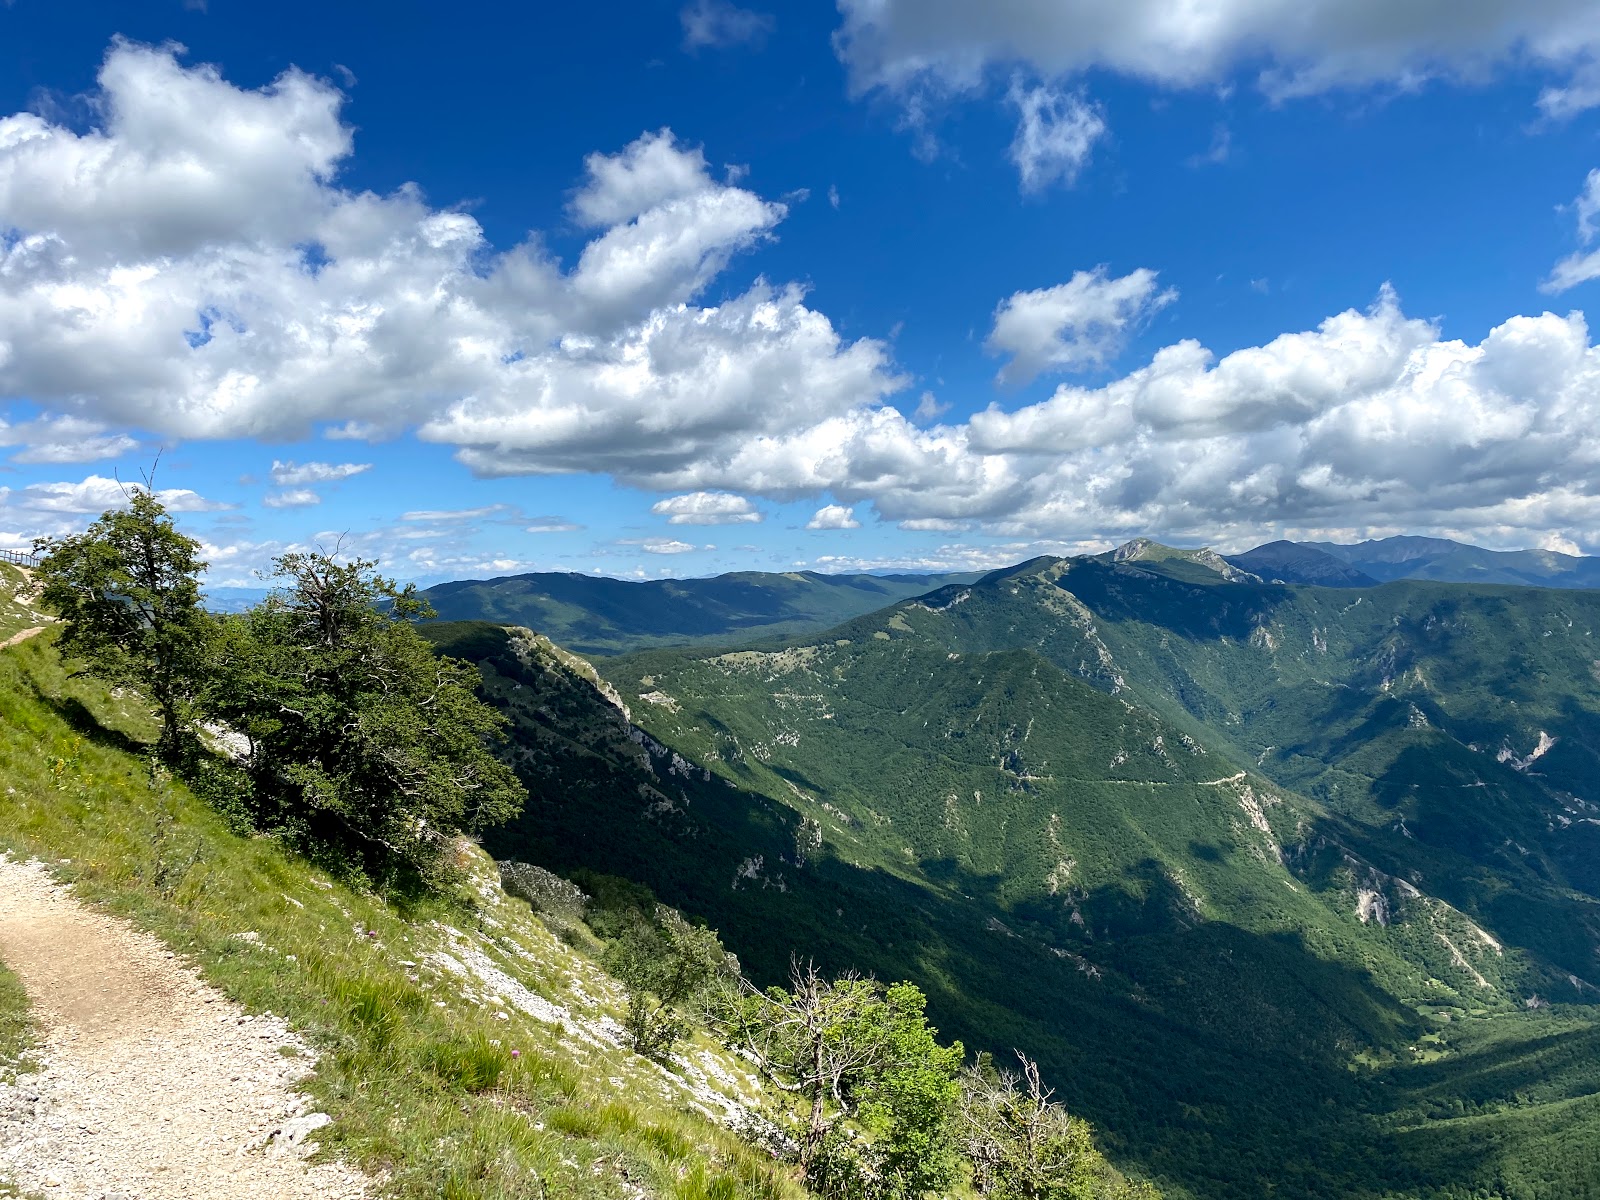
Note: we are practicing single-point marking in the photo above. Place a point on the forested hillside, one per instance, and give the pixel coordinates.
(1271, 878)
(593, 614)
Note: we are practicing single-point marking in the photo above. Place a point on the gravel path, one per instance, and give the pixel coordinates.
(154, 1087)
(23, 636)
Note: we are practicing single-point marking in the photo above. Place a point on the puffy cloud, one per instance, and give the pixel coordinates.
(300, 304)
(652, 171)
(289, 474)
(181, 162)
(660, 545)
(834, 516)
(1056, 132)
(205, 276)
(1584, 265)
(96, 494)
(1080, 323)
(719, 23)
(687, 389)
(1371, 422)
(706, 508)
(292, 498)
(1298, 46)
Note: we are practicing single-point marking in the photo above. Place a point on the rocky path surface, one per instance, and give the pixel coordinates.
(21, 636)
(154, 1086)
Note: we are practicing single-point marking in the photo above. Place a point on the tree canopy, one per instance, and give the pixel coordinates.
(359, 734)
(128, 594)
(858, 1053)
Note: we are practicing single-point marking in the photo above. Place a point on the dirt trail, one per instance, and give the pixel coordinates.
(22, 636)
(154, 1087)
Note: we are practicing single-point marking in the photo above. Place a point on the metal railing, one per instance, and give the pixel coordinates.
(20, 558)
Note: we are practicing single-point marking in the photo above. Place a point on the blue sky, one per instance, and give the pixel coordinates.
(666, 288)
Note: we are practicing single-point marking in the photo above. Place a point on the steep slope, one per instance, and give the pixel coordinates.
(1206, 966)
(461, 1048)
(1448, 728)
(1447, 561)
(596, 615)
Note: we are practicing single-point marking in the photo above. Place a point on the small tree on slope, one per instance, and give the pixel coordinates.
(1024, 1146)
(127, 593)
(360, 734)
(856, 1052)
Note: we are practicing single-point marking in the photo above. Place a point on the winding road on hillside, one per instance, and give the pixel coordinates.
(153, 1085)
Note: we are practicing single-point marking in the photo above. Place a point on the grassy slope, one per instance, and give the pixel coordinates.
(1247, 1051)
(597, 615)
(415, 1067)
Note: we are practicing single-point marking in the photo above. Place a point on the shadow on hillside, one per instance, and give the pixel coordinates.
(1215, 1057)
(84, 723)
(1195, 611)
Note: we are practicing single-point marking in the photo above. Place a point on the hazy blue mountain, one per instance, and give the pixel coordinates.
(597, 615)
(1296, 562)
(233, 599)
(1455, 562)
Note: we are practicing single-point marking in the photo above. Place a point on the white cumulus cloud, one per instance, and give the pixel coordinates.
(834, 516)
(96, 494)
(192, 266)
(706, 508)
(1080, 323)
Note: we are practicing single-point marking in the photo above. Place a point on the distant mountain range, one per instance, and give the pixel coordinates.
(1330, 564)
(597, 615)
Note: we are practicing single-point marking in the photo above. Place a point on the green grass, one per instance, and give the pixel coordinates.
(420, 1081)
(16, 1027)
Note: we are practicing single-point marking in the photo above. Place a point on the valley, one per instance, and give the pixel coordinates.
(1276, 881)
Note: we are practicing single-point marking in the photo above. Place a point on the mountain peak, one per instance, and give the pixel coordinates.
(1143, 549)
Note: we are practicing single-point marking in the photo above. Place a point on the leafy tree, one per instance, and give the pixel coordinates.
(127, 593)
(853, 1050)
(1024, 1146)
(667, 966)
(359, 734)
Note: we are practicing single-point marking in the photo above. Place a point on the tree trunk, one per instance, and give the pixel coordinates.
(819, 1101)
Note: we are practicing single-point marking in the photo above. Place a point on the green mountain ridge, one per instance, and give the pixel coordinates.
(599, 615)
(1062, 798)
